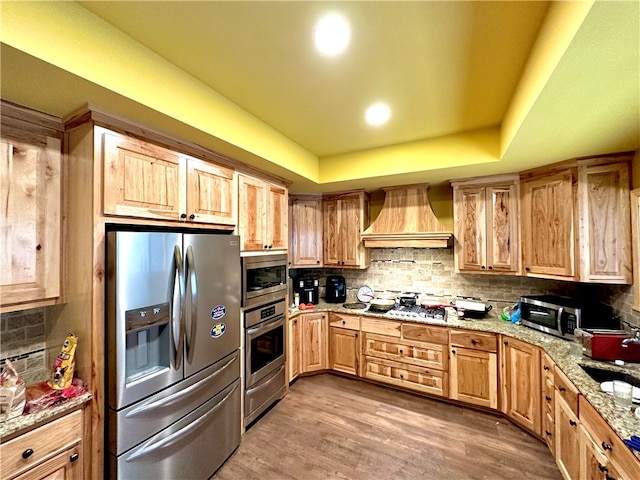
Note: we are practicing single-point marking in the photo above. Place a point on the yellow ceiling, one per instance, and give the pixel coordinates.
(475, 87)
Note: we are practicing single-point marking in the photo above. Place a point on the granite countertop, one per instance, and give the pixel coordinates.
(624, 423)
(25, 422)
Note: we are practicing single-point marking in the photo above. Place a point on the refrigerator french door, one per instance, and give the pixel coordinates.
(173, 338)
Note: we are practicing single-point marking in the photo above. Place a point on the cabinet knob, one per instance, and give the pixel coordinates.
(192, 216)
(547, 398)
(453, 351)
(295, 321)
(269, 246)
(74, 457)
(527, 269)
(545, 368)
(572, 423)
(474, 341)
(27, 453)
(400, 351)
(606, 446)
(356, 335)
(490, 267)
(265, 247)
(506, 344)
(183, 216)
(548, 433)
(482, 267)
(602, 468)
(318, 262)
(562, 389)
(343, 322)
(401, 375)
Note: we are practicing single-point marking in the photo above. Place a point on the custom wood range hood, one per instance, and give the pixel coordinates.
(407, 220)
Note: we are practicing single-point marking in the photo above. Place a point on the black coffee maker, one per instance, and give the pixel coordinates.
(335, 289)
(308, 289)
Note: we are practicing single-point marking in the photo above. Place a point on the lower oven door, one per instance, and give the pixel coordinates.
(264, 349)
(194, 447)
(260, 396)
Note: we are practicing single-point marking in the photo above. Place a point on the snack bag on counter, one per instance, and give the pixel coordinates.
(12, 393)
(62, 373)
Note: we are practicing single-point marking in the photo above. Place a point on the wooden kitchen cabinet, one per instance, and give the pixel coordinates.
(293, 349)
(305, 225)
(576, 220)
(567, 440)
(30, 217)
(313, 338)
(473, 368)
(521, 378)
(485, 213)
(344, 350)
(602, 452)
(263, 220)
(144, 180)
(345, 217)
(548, 401)
(51, 451)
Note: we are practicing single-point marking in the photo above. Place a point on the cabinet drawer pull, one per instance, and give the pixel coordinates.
(27, 453)
(562, 389)
(473, 341)
(506, 344)
(548, 433)
(602, 468)
(572, 423)
(606, 446)
(74, 457)
(547, 398)
(356, 335)
(546, 368)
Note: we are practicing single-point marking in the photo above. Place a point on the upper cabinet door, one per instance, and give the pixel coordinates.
(30, 228)
(503, 244)
(470, 225)
(211, 193)
(306, 232)
(548, 225)
(277, 217)
(252, 206)
(142, 179)
(349, 229)
(605, 238)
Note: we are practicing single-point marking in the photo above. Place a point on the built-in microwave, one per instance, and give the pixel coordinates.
(264, 279)
(560, 316)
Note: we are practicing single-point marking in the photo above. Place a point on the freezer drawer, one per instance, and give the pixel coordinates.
(136, 423)
(193, 447)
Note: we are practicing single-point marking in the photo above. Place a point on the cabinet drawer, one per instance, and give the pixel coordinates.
(547, 366)
(548, 395)
(430, 355)
(383, 327)
(475, 340)
(425, 333)
(566, 390)
(608, 441)
(350, 322)
(44, 441)
(548, 430)
(424, 380)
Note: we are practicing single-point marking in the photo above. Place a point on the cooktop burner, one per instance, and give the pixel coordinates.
(417, 311)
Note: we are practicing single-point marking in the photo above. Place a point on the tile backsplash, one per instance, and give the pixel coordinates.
(23, 342)
(430, 272)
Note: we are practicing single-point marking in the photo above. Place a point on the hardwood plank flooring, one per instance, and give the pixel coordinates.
(330, 427)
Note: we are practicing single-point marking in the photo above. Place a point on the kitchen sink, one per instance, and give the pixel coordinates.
(601, 375)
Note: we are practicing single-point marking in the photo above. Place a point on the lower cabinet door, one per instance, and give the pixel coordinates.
(344, 350)
(473, 377)
(567, 440)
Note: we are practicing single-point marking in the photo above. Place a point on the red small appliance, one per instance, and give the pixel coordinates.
(607, 345)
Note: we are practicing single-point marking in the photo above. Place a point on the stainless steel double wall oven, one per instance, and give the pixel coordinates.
(264, 289)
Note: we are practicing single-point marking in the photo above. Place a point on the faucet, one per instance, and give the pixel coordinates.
(635, 338)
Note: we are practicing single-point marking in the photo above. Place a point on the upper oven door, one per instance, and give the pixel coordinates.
(264, 278)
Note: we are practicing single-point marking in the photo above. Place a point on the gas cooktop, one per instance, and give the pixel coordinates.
(438, 314)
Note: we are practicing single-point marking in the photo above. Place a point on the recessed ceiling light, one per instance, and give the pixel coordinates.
(332, 34)
(377, 114)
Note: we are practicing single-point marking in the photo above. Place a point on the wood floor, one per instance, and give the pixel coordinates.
(329, 427)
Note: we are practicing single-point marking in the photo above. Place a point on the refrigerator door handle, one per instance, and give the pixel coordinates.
(171, 399)
(193, 290)
(179, 276)
(175, 436)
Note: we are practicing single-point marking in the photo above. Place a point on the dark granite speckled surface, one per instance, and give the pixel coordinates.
(624, 423)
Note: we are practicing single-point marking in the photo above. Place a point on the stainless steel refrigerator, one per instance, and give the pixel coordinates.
(173, 361)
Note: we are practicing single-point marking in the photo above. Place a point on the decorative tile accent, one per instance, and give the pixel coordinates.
(22, 341)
